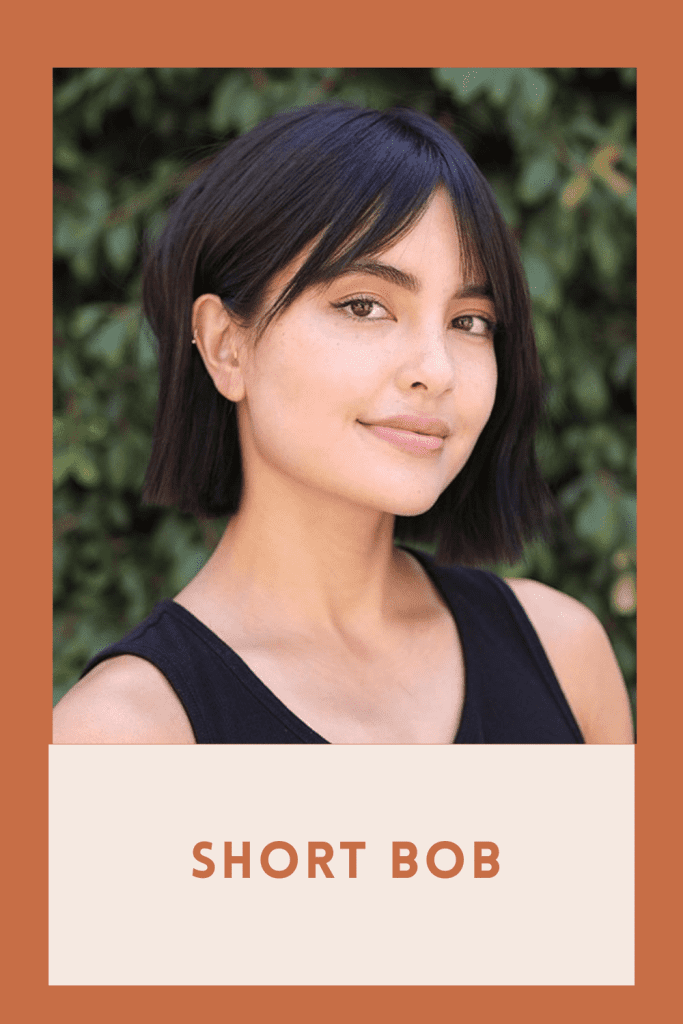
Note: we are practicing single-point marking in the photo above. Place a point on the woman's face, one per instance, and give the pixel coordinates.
(374, 388)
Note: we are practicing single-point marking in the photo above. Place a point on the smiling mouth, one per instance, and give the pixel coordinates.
(414, 424)
(410, 439)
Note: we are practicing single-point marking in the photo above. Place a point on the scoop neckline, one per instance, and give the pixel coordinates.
(276, 705)
(431, 569)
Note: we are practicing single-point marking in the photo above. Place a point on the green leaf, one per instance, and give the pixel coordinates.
(537, 179)
(186, 564)
(506, 200)
(73, 90)
(590, 391)
(118, 514)
(545, 334)
(630, 201)
(107, 344)
(61, 467)
(604, 250)
(66, 156)
(222, 114)
(625, 653)
(77, 463)
(500, 83)
(542, 281)
(155, 224)
(596, 520)
(624, 365)
(535, 90)
(145, 349)
(247, 111)
(73, 235)
(85, 319)
(120, 245)
(463, 83)
(117, 463)
(68, 374)
(98, 204)
(133, 585)
(628, 513)
(95, 429)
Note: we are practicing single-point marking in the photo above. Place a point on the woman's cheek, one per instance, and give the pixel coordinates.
(475, 390)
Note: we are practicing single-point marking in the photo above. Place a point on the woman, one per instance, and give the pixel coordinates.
(346, 350)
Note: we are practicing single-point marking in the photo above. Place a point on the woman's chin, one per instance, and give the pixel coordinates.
(413, 506)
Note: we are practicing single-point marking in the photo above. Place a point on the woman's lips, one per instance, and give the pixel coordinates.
(416, 435)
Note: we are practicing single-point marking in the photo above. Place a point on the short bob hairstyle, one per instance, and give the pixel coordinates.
(354, 180)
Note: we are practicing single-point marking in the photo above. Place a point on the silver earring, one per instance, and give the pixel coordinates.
(194, 337)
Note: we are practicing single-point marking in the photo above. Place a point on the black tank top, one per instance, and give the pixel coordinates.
(511, 693)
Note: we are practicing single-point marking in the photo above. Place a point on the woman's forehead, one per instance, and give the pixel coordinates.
(338, 265)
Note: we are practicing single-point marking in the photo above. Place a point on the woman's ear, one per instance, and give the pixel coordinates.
(221, 344)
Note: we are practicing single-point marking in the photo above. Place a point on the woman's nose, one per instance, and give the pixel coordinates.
(428, 364)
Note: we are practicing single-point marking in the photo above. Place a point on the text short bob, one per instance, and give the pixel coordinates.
(354, 179)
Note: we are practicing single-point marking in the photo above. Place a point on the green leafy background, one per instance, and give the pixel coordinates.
(557, 145)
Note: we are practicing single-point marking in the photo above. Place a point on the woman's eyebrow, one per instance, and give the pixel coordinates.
(409, 281)
(386, 271)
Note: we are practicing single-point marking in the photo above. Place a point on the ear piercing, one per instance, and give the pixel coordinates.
(233, 355)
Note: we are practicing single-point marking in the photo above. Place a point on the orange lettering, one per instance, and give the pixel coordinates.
(448, 872)
(230, 860)
(319, 861)
(408, 858)
(198, 855)
(352, 848)
(273, 872)
(491, 859)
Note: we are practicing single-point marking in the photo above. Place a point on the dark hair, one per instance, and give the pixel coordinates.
(355, 180)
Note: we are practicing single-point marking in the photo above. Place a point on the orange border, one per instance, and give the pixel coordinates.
(355, 34)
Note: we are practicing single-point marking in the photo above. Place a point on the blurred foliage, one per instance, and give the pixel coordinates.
(557, 146)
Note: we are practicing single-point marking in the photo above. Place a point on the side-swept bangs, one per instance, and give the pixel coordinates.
(345, 183)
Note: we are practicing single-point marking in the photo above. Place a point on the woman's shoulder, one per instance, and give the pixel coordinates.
(581, 657)
(124, 699)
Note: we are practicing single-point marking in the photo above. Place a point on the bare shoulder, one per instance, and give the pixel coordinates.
(583, 660)
(122, 700)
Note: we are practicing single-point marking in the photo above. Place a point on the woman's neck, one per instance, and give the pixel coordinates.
(316, 561)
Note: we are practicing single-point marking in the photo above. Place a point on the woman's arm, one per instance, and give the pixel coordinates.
(122, 700)
(583, 661)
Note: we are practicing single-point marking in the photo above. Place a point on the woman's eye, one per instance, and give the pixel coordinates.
(362, 308)
(477, 325)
